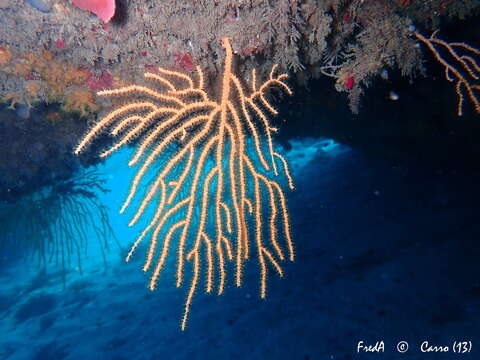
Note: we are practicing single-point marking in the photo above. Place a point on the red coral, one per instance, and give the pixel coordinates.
(184, 60)
(60, 44)
(101, 82)
(347, 17)
(249, 50)
(443, 4)
(350, 82)
(104, 9)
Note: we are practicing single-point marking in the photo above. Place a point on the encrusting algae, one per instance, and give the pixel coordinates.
(80, 101)
(45, 78)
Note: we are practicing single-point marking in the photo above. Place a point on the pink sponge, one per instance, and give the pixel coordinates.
(104, 9)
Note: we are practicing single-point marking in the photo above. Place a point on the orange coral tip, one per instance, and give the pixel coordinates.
(104, 9)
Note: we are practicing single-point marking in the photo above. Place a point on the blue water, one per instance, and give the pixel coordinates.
(384, 252)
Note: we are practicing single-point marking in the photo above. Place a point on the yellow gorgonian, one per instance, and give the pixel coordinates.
(209, 194)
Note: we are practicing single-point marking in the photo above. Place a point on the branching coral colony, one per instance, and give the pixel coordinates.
(464, 69)
(210, 204)
(368, 37)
